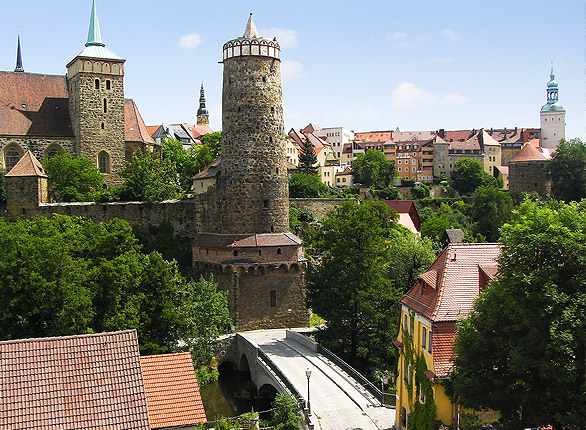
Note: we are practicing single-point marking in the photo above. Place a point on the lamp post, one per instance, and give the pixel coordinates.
(384, 380)
(289, 311)
(308, 374)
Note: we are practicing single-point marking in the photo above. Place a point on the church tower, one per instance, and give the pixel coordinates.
(95, 79)
(203, 116)
(553, 117)
(18, 67)
(253, 137)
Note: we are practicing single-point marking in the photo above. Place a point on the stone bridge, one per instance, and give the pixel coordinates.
(339, 397)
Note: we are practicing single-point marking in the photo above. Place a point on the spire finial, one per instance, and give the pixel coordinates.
(551, 75)
(18, 67)
(94, 37)
(250, 31)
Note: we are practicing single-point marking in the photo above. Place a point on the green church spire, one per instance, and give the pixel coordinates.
(94, 38)
(18, 67)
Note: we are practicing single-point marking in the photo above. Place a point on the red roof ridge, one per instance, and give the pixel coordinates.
(72, 336)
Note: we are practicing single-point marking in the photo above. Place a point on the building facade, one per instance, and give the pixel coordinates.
(553, 116)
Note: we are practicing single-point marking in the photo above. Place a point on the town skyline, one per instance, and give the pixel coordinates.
(463, 67)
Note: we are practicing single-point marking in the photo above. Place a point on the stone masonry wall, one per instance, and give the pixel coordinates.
(88, 116)
(318, 207)
(254, 174)
(37, 145)
(527, 177)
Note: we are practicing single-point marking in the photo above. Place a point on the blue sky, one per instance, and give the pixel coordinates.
(365, 65)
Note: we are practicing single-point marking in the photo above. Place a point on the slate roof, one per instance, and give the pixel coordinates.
(34, 105)
(212, 170)
(529, 153)
(28, 165)
(134, 128)
(75, 382)
(458, 281)
(172, 393)
(246, 240)
(453, 235)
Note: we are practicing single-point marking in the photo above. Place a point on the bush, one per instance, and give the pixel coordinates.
(286, 415)
(302, 185)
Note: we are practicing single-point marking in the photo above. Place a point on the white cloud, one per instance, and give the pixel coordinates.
(190, 41)
(407, 95)
(292, 70)
(451, 35)
(286, 38)
(398, 35)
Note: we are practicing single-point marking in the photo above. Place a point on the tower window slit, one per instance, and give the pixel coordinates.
(97, 83)
(105, 106)
(108, 84)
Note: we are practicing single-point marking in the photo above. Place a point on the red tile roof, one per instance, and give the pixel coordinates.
(374, 136)
(442, 344)
(213, 240)
(212, 170)
(134, 128)
(458, 282)
(529, 153)
(74, 382)
(172, 393)
(196, 131)
(34, 105)
(28, 165)
(152, 128)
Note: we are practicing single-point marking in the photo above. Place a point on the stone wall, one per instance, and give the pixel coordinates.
(528, 176)
(39, 146)
(21, 195)
(318, 207)
(254, 185)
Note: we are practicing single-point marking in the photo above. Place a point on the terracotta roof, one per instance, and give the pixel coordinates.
(374, 136)
(442, 352)
(28, 165)
(401, 206)
(503, 169)
(213, 240)
(212, 170)
(346, 171)
(529, 153)
(34, 105)
(459, 282)
(152, 128)
(75, 382)
(430, 278)
(196, 131)
(134, 128)
(456, 135)
(172, 393)
(409, 135)
(535, 142)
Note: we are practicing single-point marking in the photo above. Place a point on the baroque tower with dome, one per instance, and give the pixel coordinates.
(553, 116)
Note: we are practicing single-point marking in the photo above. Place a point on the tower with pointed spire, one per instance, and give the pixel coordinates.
(18, 67)
(203, 116)
(553, 116)
(96, 103)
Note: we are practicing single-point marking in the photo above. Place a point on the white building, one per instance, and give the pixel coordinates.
(553, 117)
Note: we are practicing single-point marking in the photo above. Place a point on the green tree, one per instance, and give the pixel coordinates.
(303, 185)
(387, 193)
(286, 414)
(373, 169)
(148, 178)
(2, 186)
(469, 175)
(297, 217)
(409, 256)
(213, 141)
(352, 273)
(74, 179)
(64, 275)
(521, 350)
(492, 207)
(567, 170)
(307, 158)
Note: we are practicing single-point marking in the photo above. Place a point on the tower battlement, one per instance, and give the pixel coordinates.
(251, 44)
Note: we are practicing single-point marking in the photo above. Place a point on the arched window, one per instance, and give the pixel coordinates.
(12, 156)
(53, 150)
(104, 162)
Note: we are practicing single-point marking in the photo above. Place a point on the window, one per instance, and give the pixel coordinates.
(53, 150)
(235, 253)
(108, 85)
(410, 375)
(104, 162)
(273, 298)
(422, 395)
(265, 204)
(411, 326)
(429, 342)
(423, 338)
(278, 251)
(97, 84)
(404, 417)
(12, 156)
(405, 320)
(105, 106)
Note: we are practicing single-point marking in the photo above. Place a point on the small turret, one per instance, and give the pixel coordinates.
(18, 67)
(553, 116)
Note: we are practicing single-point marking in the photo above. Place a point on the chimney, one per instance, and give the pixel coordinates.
(441, 133)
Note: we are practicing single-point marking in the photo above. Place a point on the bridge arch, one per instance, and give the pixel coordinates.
(244, 365)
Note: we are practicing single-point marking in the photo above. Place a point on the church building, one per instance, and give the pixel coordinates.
(83, 113)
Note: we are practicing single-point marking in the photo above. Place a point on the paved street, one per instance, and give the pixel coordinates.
(337, 401)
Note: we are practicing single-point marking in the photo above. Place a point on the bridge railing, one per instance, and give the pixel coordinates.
(369, 386)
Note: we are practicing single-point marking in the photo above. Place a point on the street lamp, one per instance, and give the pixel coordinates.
(289, 311)
(308, 374)
(384, 379)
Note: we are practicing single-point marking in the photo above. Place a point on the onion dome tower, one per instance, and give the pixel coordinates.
(95, 79)
(203, 115)
(253, 137)
(553, 116)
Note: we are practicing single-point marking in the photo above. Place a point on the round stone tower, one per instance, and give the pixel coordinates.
(253, 169)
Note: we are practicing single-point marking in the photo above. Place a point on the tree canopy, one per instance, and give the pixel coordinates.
(521, 350)
(372, 169)
(74, 179)
(67, 275)
(491, 208)
(469, 175)
(307, 158)
(567, 170)
(351, 245)
(303, 185)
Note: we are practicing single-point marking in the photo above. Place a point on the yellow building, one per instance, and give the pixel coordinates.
(440, 297)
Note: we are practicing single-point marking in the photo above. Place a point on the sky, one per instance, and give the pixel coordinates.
(363, 65)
